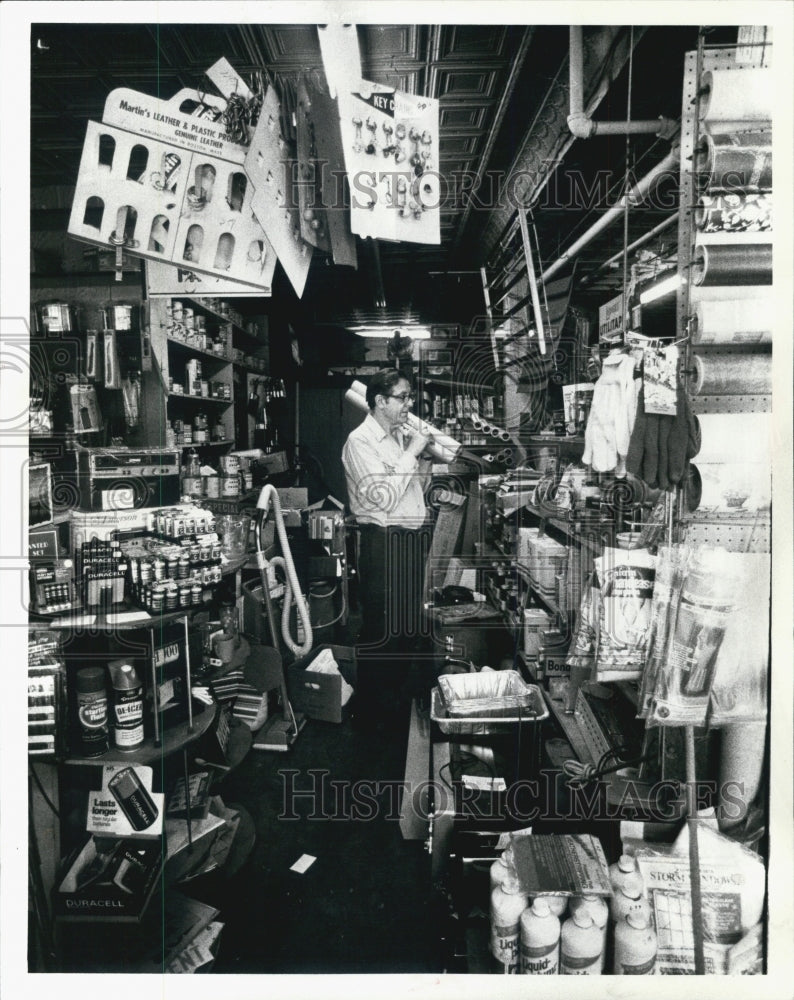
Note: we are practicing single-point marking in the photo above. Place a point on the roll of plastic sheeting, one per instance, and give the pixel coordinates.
(740, 264)
(732, 375)
(734, 213)
(735, 462)
(733, 321)
(736, 99)
(734, 161)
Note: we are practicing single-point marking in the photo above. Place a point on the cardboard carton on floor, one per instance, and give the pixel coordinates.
(322, 696)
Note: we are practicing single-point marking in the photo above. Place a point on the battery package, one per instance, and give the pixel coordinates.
(125, 806)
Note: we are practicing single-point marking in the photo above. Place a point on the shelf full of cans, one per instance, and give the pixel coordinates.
(196, 386)
(230, 477)
(181, 561)
(173, 567)
(187, 326)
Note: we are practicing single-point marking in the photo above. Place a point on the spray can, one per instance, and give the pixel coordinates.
(598, 910)
(581, 946)
(629, 899)
(635, 947)
(92, 711)
(507, 905)
(127, 705)
(540, 940)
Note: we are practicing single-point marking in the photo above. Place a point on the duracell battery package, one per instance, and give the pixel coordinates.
(125, 806)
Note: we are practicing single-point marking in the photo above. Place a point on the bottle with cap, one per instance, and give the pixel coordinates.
(501, 869)
(507, 905)
(598, 910)
(540, 940)
(581, 945)
(620, 870)
(629, 899)
(127, 705)
(635, 946)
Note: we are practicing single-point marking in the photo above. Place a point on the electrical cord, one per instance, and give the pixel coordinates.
(579, 775)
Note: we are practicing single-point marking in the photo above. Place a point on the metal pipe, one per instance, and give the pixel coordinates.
(613, 214)
(632, 246)
(579, 121)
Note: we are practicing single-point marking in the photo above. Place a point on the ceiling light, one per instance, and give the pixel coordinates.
(661, 288)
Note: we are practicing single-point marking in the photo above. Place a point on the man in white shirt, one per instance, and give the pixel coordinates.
(386, 478)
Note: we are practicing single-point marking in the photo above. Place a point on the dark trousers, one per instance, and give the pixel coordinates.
(393, 647)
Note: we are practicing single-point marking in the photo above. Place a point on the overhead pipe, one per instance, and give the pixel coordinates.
(637, 193)
(641, 241)
(580, 123)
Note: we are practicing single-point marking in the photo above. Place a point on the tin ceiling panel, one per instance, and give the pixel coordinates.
(473, 41)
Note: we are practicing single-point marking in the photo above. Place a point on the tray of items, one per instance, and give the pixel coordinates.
(485, 703)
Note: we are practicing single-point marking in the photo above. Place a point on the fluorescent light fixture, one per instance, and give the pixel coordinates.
(387, 332)
(663, 287)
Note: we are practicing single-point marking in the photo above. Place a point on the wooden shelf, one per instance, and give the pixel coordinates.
(101, 624)
(207, 444)
(189, 349)
(173, 739)
(200, 399)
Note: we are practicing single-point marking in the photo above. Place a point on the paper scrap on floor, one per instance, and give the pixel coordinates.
(303, 864)
(324, 663)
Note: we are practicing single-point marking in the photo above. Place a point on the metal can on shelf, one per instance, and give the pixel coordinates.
(230, 465)
(212, 486)
(553, 653)
(230, 486)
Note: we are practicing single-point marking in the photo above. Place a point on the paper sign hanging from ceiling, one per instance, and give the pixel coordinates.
(390, 142)
(341, 56)
(271, 168)
(168, 280)
(161, 179)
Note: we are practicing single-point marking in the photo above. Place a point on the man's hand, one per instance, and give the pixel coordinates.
(417, 442)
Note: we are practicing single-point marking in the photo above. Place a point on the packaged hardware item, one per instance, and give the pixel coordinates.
(709, 594)
(624, 579)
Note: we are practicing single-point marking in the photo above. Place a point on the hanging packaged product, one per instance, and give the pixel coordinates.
(162, 180)
(390, 142)
(624, 584)
(127, 705)
(708, 598)
(671, 563)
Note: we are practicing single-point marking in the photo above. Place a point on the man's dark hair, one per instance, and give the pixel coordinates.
(382, 383)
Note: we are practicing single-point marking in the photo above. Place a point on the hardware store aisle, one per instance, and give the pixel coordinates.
(365, 905)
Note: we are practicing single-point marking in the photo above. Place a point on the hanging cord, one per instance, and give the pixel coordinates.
(627, 189)
(579, 775)
(268, 497)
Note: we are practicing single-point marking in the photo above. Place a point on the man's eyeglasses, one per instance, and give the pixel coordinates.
(402, 396)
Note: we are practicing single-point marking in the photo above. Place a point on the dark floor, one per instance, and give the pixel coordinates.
(364, 906)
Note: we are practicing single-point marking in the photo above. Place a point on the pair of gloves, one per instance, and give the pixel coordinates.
(661, 446)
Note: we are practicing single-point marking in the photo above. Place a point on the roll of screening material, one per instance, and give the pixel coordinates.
(736, 99)
(733, 321)
(732, 375)
(734, 213)
(443, 447)
(734, 161)
(732, 264)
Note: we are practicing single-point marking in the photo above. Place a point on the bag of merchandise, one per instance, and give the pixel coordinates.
(625, 579)
(709, 596)
(671, 562)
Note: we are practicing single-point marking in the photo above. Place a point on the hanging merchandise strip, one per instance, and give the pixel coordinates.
(734, 162)
(734, 213)
(269, 167)
(742, 264)
(314, 228)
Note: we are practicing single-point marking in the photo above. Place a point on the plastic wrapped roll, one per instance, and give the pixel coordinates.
(734, 213)
(734, 162)
(443, 448)
(732, 375)
(733, 321)
(736, 99)
(726, 264)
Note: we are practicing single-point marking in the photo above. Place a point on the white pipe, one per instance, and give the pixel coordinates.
(267, 498)
(443, 447)
(613, 214)
(579, 122)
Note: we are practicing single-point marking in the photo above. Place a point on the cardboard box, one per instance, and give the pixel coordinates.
(116, 884)
(320, 695)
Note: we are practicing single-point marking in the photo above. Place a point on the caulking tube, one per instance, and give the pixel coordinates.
(443, 448)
